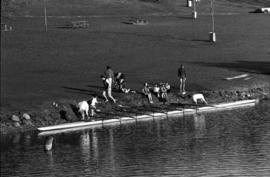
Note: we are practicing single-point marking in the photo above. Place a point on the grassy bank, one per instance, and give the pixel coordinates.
(130, 104)
(64, 65)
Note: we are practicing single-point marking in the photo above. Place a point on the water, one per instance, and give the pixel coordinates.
(231, 143)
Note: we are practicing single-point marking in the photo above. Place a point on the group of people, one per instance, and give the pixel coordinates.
(160, 91)
(118, 80)
(110, 79)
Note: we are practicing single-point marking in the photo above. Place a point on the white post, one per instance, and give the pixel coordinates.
(45, 16)
(194, 13)
(212, 34)
(189, 3)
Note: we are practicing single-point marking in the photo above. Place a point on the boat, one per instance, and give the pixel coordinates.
(75, 126)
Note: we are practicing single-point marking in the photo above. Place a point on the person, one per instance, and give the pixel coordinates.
(109, 79)
(156, 90)
(93, 107)
(105, 84)
(146, 91)
(168, 87)
(182, 78)
(164, 95)
(120, 79)
(83, 108)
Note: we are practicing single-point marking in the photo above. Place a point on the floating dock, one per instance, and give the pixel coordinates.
(75, 126)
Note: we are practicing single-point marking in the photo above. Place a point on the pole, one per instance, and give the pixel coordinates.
(194, 10)
(212, 15)
(212, 34)
(45, 16)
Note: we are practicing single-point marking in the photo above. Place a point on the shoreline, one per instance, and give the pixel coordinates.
(133, 103)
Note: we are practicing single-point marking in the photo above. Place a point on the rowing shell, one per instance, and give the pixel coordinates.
(180, 112)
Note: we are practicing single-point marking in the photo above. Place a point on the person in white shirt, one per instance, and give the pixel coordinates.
(85, 105)
(83, 109)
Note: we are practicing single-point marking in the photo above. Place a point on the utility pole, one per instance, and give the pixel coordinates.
(45, 16)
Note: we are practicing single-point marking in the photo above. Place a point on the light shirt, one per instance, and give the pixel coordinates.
(83, 106)
(94, 102)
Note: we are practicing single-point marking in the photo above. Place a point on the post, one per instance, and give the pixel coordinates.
(194, 13)
(45, 16)
(212, 35)
(189, 3)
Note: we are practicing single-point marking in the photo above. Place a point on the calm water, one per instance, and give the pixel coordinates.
(235, 143)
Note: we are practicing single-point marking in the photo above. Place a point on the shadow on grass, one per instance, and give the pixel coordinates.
(79, 90)
(259, 67)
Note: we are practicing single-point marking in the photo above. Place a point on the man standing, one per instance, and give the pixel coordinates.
(109, 79)
(105, 84)
(146, 91)
(182, 78)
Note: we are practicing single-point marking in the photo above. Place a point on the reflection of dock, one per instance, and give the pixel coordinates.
(189, 111)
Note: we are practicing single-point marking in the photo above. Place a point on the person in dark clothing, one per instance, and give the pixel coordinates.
(182, 79)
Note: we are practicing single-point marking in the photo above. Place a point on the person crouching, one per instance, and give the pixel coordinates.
(84, 108)
(85, 105)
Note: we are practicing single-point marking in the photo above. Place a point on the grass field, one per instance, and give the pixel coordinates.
(38, 66)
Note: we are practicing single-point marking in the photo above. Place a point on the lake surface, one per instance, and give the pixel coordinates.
(231, 143)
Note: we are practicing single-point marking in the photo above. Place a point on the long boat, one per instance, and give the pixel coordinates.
(74, 126)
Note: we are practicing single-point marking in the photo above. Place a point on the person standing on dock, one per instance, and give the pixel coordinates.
(182, 79)
(109, 79)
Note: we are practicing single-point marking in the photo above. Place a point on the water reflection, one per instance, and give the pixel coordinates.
(16, 138)
(233, 143)
(48, 143)
(112, 158)
(85, 146)
(199, 125)
(94, 144)
(27, 139)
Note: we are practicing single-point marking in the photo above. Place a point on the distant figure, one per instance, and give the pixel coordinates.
(164, 96)
(198, 96)
(182, 79)
(120, 79)
(93, 105)
(84, 109)
(168, 87)
(109, 79)
(146, 91)
(105, 84)
(156, 90)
